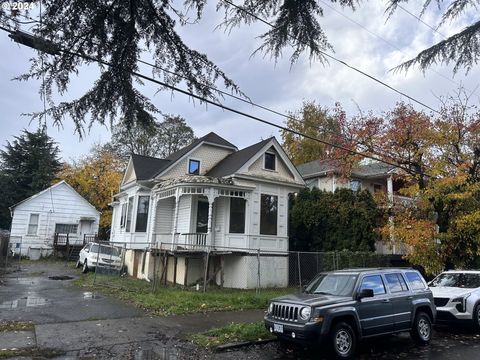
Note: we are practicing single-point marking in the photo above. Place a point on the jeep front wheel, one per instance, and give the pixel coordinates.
(422, 328)
(344, 341)
(85, 267)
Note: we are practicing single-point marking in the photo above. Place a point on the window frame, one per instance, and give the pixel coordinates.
(123, 214)
(190, 160)
(234, 217)
(275, 233)
(129, 218)
(138, 213)
(274, 161)
(66, 224)
(352, 181)
(30, 224)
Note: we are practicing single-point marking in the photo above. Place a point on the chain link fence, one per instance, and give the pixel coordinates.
(215, 268)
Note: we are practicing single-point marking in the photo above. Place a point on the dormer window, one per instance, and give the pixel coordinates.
(194, 167)
(269, 161)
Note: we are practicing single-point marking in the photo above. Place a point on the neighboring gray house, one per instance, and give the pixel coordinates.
(57, 209)
(375, 177)
(208, 196)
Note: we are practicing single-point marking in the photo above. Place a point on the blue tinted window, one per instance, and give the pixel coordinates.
(194, 167)
(373, 282)
(395, 283)
(415, 280)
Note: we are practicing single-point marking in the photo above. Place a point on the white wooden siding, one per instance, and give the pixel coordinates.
(59, 205)
(281, 171)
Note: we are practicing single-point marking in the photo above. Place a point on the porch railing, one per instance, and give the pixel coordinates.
(195, 240)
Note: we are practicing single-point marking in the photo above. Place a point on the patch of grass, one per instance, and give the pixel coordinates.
(233, 333)
(170, 300)
(32, 353)
(16, 326)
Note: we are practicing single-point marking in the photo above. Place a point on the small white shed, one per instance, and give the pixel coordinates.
(58, 209)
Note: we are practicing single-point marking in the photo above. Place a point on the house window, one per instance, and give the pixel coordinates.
(268, 214)
(129, 214)
(269, 161)
(202, 216)
(355, 185)
(194, 167)
(66, 228)
(142, 213)
(123, 217)
(237, 216)
(33, 224)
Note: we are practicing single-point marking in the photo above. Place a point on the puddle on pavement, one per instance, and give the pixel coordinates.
(90, 295)
(29, 301)
(26, 281)
(159, 354)
(63, 277)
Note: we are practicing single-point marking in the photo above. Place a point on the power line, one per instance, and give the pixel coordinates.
(43, 45)
(422, 21)
(250, 102)
(344, 63)
(383, 39)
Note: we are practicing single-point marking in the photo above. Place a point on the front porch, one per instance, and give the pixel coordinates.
(199, 217)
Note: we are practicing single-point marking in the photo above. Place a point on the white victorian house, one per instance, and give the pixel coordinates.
(208, 197)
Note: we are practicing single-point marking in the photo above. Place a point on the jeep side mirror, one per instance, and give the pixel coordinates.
(365, 293)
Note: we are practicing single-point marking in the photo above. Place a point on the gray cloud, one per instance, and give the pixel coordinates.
(278, 86)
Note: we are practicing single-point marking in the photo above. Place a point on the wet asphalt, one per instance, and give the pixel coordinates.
(80, 325)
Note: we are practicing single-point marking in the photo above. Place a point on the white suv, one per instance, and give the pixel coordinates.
(457, 296)
(94, 254)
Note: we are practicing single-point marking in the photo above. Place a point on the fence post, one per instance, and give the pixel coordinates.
(123, 258)
(257, 292)
(333, 264)
(299, 271)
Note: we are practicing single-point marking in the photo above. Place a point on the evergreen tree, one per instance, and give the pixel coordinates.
(326, 221)
(28, 165)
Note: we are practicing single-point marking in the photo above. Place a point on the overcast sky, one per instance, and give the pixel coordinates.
(376, 49)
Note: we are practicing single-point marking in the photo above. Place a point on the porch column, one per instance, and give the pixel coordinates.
(390, 190)
(152, 219)
(175, 217)
(211, 199)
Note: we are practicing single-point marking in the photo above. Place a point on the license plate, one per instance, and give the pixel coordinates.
(278, 328)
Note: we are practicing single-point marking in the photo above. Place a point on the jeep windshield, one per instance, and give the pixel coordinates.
(460, 280)
(332, 284)
(106, 250)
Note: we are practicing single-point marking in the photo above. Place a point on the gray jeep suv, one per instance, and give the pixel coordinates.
(339, 308)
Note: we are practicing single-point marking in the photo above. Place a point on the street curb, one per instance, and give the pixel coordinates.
(226, 347)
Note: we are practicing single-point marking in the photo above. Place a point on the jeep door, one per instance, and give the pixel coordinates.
(375, 313)
(402, 300)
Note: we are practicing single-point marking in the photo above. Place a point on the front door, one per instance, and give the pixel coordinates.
(85, 228)
(375, 313)
(202, 216)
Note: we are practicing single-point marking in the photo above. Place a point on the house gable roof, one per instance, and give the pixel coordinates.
(146, 167)
(240, 161)
(236, 160)
(63, 182)
(317, 168)
(211, 139)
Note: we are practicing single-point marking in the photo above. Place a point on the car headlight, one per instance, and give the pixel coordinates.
(270, 308)
(305, 313)
(461, 302)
